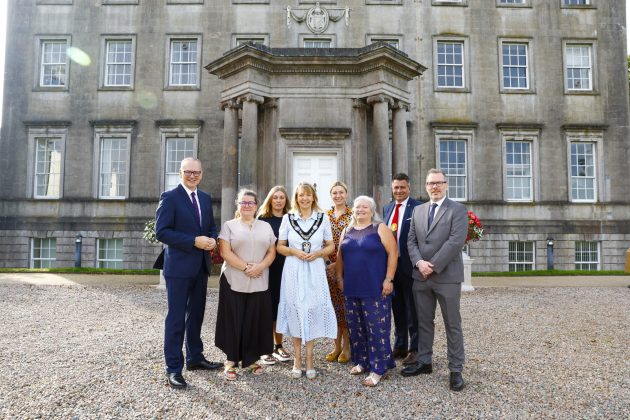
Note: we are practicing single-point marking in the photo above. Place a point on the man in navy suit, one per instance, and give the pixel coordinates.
(397, 215)
(185, 224)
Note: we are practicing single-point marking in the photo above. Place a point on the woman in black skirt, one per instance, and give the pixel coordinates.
(271, 211)
(244, 316)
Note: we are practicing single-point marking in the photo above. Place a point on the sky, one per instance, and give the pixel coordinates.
(3, 30)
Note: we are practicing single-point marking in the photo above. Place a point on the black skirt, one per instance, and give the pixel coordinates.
(244, 324)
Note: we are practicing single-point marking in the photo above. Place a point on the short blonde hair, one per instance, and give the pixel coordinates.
(295, 207)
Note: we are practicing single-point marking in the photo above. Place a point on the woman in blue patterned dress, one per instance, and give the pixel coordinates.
(366, 264)
(305, 311)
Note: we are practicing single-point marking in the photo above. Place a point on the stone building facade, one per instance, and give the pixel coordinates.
(524, 103)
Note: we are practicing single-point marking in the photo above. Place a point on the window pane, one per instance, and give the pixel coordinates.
(586, 255)
(518, 170)
(47, 167)
(578, 71)
(44, 252)
(53, 62)
(118, 60)
(514, 66)
(317, 43)
(452, 160)
(520, 256)
(113, 172)
(110, 253)
(582, 171)
(183, 63)
(176, 150)
(450, 64)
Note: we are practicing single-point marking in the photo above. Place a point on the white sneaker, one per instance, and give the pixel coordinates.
(267, 360)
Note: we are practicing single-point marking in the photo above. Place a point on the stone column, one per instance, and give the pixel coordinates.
(382, 161)
(229, 175)
(400, 161)
(249, 141)
(360, 174)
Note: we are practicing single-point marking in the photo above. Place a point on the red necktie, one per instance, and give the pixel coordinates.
(394, 224)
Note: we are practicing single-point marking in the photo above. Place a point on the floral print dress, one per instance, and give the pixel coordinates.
(338, 225)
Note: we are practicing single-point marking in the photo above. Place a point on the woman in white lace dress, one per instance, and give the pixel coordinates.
(305, 311)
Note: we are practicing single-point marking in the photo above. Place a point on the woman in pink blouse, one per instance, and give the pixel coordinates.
(245, 316)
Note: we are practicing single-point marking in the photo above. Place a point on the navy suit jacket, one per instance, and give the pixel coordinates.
(177, 227)
(404, 263)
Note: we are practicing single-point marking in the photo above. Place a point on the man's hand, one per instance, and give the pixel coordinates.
(205, 243)
(426, 268)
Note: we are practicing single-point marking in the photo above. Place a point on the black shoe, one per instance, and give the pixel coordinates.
(457, 381)
(176, 380)
(399, 353)
(204, 365)
(417, 369)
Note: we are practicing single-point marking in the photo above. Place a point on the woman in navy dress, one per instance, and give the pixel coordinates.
(366, 264)
(271, 211)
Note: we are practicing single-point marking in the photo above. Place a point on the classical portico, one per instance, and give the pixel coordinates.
(314, 115)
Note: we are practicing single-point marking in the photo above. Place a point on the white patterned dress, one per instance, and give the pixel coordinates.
(305, 308)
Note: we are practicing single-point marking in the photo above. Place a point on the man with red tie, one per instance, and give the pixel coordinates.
(397, 215)
(185, 225)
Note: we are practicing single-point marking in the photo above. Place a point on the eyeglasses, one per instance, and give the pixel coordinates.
(435, 184)
(192, 173)
(247, 203)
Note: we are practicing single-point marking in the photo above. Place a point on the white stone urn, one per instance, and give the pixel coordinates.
(467, 284)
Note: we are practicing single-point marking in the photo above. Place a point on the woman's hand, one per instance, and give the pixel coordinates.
(313, 256)
(299, 253)
(388, 287)
(254, 270)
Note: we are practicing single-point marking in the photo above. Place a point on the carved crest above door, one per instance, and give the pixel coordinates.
(317, 17)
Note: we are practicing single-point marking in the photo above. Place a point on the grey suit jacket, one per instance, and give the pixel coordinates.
(442, 244)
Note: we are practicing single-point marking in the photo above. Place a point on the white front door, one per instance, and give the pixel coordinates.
(319, 169)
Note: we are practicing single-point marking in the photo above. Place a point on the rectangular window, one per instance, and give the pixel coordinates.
(579, 70)
(184, 65)
(177, 148)
(118, 62)
(452, 160)
(514, 67)
(43, 252)
(47, 167)
(450, 64)
(110, 253)
(583, 171)
(518, 156)
(575, 2)
(586, 255)
(512, 1)
(317, 43)
(520, 256)
(53, 63)
(113, 167)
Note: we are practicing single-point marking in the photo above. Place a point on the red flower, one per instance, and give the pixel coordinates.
(475, 228)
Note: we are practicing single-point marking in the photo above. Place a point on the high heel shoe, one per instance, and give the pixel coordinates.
(333, 356)
(343, 358)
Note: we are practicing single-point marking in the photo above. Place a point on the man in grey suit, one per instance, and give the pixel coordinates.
(436, 237)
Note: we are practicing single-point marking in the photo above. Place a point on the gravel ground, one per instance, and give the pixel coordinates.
(87, 351)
